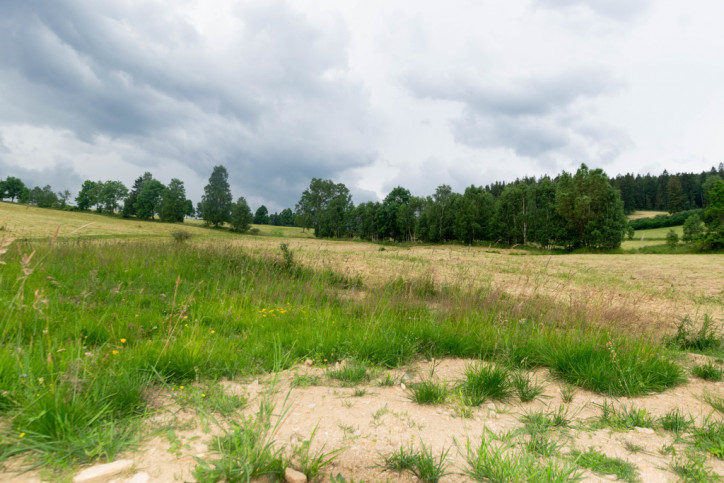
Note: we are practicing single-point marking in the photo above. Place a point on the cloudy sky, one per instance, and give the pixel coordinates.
(371, 93)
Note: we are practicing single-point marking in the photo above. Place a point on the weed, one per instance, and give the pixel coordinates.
(247, 450)
(305, 380)
(387, 381)
(624, 418)
(351, 373)
(708, 372)
(693, 468)
(540, 420)
(502, 463)
(676, 421)
(568, 392)
(705, 340)
(525, 389)
(359, 392)
(632, 447)
(604, 465)
(483, 382)
(311, 463)
(710, 438)
(421, 463)
(429, 392)
(210, 399)
(716, 402)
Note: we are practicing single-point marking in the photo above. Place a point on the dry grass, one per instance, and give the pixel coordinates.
(645, 214)
(633, 290)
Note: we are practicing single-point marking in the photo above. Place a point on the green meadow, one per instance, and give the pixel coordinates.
(89, 328)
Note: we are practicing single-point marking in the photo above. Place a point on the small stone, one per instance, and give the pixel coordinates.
(491, 406)
(402, 385)
(101, 473)
(309, 362)
(141, 477)
(493, 414)
(293, 476)
(311, 406)
(644, 430)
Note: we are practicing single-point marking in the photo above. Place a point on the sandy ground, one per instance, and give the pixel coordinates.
(375, 424)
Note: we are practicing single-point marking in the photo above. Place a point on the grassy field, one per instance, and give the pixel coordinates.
(100, 320)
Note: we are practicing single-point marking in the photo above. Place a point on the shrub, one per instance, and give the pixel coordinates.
(180, 236)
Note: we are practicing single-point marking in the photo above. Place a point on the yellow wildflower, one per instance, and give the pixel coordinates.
(22, 435)
(181, 387)
(115, 353)
(213, 331)
(203, 395)
(123, 341)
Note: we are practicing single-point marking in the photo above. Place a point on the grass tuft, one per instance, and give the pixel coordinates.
(605, 465)
(429, 392)
(708, 372)
(420, 462)
(485, 382)
(350, 374)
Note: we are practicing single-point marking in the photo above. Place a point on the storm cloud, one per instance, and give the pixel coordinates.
(374, 95)
(272, 99)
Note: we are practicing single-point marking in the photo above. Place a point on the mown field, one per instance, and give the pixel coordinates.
(114, 336)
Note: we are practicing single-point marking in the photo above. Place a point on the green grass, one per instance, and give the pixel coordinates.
(710, 438)
(708, 372)
(693, 469)
(350, 374)
(484, 382)
(526, 389)
(675, 421)
(420, 462)
(247, 450)
(429, 392)
(500, 462)
(624, 418)
(87, 328)
(605, 465)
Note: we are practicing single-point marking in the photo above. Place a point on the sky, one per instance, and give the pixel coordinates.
(370, 93)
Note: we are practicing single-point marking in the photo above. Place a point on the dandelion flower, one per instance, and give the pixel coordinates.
(22, 435)
(115, 353)
(186, 317)
(123, 341)
(203, 395)
(180, 387)
(213, 331)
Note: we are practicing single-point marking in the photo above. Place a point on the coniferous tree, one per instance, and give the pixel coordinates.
(216, 201)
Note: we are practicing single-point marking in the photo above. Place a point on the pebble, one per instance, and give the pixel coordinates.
(309, 362)
(293, 476)
(644, 430)
(102, 473)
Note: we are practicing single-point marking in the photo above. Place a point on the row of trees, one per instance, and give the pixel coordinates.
(667, 192)
(581, 210)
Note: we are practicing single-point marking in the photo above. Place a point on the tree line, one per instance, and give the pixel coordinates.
(667, 192)
(581, 210)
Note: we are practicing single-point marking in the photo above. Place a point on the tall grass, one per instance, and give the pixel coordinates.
(85, 328)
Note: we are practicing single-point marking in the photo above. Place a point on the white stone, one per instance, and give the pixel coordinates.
(141, 477)
(102, 473)
(308, 362)
(293, 476)
(644, 430)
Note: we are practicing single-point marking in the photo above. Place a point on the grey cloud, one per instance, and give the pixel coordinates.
(530, 116)
(265, 106)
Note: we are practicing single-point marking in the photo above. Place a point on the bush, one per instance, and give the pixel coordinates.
(672, 239)
(180, 236)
